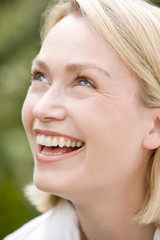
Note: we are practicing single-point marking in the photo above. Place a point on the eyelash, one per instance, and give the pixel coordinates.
(85, 78)
(36, 73)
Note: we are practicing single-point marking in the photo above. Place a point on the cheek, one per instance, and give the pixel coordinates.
(109, 126)
(28, 119)
(27, 112)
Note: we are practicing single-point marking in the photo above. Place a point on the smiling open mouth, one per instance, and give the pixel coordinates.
(55, 146)
(57, 150)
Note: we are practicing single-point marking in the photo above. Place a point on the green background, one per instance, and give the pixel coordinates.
(19, 44)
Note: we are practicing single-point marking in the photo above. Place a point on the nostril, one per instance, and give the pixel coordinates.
(38, 113)
(48, 113)
(50, 106)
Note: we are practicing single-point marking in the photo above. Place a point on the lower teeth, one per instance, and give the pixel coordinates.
(48, 153)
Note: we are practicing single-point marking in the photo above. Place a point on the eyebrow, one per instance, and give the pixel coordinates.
(72, 67)
(79, 66)
(40, 63)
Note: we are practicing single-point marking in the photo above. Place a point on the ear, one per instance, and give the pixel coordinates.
(152, 138)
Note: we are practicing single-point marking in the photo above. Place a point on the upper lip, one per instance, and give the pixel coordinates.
(50, 133)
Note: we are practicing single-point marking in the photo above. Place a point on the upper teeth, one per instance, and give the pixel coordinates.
(57, 141)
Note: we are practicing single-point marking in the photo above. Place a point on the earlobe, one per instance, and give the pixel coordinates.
(152, 138)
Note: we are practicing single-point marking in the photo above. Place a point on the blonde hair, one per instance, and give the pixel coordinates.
(132, 27)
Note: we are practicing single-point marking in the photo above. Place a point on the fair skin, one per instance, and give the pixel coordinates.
(85, 93)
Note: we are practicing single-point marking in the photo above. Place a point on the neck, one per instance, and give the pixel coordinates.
(111, 215)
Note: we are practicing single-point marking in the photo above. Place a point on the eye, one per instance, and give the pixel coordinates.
(39, 76)
(84, 82)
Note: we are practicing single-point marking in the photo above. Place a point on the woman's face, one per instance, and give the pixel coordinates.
(83, 94)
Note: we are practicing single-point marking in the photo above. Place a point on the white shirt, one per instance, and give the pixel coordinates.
(60, 223)
(157, 234)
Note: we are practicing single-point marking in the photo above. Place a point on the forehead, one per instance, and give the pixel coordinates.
(74, 40)
(70, 26)
(73, 34)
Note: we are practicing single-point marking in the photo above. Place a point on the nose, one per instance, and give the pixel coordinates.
(50, 106)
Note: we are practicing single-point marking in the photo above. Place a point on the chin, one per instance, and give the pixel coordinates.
(55, 183)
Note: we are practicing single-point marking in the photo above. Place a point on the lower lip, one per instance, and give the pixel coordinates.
(40, 157)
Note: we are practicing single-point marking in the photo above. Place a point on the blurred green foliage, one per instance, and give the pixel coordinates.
(19, 44)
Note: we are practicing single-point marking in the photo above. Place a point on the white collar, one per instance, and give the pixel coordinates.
(157, 234)
(64, 220)
(60, 223)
